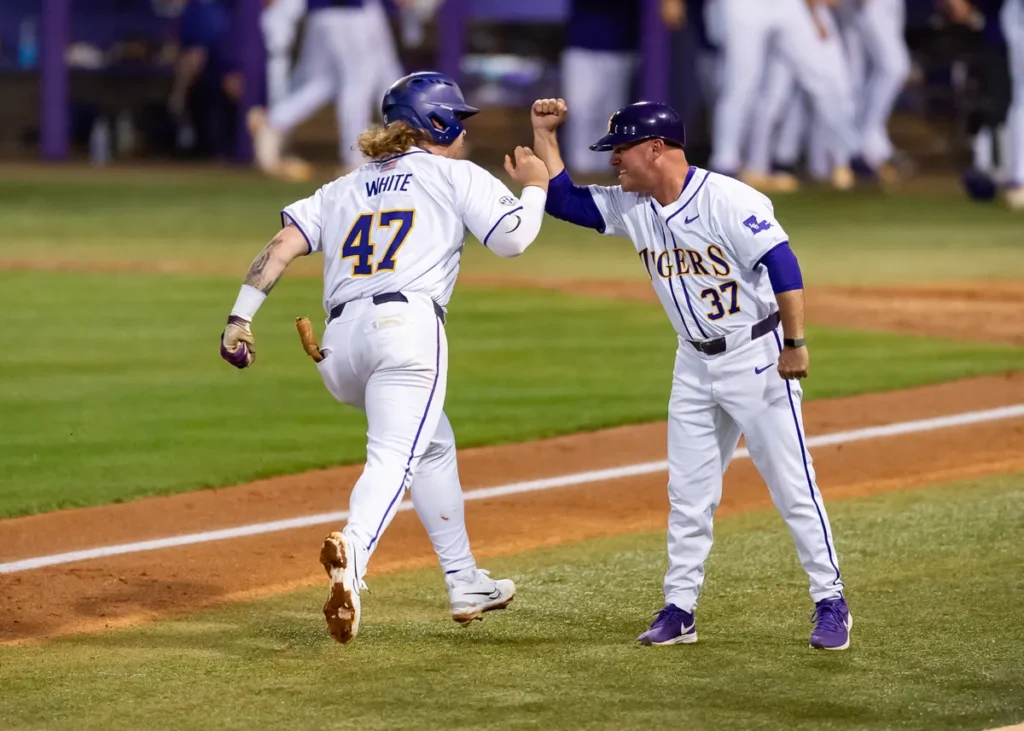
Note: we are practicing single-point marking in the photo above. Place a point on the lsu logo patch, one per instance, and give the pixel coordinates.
(506, 200)
(755, 226)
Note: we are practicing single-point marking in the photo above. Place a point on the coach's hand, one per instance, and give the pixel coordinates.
(547, 115)
(794, 363)
(236, 343)
(528, 169)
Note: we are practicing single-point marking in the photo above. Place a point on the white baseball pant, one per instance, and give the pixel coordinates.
(881, 61)
(595, 85)
(1013, 29)
(391, 361)
(750, 30)
(279, 22)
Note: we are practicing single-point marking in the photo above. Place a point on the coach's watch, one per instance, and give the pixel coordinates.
(794, 342)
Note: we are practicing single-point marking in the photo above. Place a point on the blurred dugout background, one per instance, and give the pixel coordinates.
(139, 80)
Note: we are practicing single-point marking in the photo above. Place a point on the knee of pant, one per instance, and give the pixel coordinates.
(389, 466)
(438, 453)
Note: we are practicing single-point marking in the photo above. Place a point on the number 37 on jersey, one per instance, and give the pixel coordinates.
(360, 246)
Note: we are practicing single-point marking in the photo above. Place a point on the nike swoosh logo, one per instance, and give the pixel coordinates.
(519, 221)
(759, 371)
(496, 594)
(691, 220)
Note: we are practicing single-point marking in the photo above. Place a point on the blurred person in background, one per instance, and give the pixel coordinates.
(207, 85)
(279, 23)
(785, 111)
(1012, 18)
(879, 66)
(601, 53)
(350, 56)
(989, 72)
(997, 121)
(749, 32)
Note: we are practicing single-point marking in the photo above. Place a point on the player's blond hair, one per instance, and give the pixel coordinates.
(394, 139)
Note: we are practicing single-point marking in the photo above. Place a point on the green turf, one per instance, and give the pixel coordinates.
(203, 219)
(934, 581)
(113, 389)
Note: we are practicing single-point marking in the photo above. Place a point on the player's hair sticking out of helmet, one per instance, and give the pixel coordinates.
(394, 139)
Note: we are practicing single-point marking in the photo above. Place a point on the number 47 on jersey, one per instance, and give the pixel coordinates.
(359, 242)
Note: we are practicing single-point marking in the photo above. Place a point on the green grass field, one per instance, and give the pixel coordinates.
(120, 391)
(219, 219)
(111, 389)
(933, 576)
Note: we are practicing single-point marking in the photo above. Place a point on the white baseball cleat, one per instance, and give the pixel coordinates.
(843, 178)
(473, 592)
(266, 141)
(342, 609)
(1015, 198)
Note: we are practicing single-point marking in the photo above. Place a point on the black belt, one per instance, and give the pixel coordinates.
(379, 299)
(760, 329)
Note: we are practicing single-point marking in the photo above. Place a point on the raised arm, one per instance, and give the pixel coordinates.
(568, 202)
(237, 344)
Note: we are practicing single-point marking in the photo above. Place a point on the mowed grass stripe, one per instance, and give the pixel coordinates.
(119, 392)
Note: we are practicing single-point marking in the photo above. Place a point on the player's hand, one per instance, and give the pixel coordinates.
(547, 115)
(528, 169)
(237, 343)
(794, 362)
(673, 14)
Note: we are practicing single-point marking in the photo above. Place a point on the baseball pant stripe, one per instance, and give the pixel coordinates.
(807, 472)
(415, 441)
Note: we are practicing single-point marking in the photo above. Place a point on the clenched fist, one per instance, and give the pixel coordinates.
(236, 343)
(528, 169)
(547, 115)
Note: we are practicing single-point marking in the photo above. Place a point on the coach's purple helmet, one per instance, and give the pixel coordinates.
(642, 121)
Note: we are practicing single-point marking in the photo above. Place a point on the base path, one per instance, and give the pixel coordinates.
(135, 587)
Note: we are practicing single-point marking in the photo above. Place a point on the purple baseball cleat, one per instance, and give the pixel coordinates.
(832, 623)
(671, 626)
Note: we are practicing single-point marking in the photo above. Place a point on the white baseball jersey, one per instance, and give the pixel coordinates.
(702, 250)
(398, 224)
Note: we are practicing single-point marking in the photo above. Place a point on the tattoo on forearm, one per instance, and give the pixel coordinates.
(258, 277)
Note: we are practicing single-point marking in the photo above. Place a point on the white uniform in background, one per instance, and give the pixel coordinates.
(597, 70)
(750, 32)
(392, 234)
(879, 66)
(279, 22)
(348, 55)
(786, 113)
(1013, 30)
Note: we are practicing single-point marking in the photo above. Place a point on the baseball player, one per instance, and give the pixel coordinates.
(723, 270)
(348, 52)
(1013, 30)
(392, 233)
(602, 39)
(786, 116)
(748, 31)
(279, 24)
(880, 64)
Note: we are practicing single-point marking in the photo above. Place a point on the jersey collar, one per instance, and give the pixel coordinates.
(686, 195)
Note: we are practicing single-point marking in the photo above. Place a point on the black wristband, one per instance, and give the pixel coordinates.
(794, 342)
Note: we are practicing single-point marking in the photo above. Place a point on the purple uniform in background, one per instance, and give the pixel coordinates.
(206, 25)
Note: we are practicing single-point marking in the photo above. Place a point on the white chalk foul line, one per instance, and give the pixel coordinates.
(516, 488)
